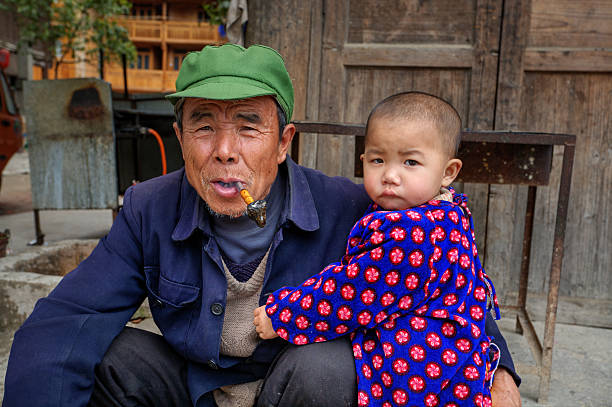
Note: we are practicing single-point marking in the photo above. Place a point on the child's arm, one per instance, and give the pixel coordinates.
(394, 268)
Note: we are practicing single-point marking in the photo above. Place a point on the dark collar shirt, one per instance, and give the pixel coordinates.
(160, 247)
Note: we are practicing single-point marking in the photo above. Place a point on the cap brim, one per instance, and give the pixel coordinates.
(221, 91)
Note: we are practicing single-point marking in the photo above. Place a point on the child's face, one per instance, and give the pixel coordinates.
(405, 163)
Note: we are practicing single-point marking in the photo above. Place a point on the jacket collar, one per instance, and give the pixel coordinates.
(299, 205)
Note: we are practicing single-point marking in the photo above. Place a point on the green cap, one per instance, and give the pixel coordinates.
(230, 71)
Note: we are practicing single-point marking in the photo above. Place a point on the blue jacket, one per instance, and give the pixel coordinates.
(160, 247)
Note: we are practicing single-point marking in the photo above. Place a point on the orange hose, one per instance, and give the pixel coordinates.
(162, 149)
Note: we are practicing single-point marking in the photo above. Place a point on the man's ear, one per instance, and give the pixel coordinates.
(179, 136)
(453, 166)
(285, 142)
(178, 133)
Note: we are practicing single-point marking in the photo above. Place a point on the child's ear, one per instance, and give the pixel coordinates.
(361, 157)
(451, 171)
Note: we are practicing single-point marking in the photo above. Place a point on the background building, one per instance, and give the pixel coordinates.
(163, 32)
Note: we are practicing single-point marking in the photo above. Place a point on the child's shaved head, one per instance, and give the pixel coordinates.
(419, 106)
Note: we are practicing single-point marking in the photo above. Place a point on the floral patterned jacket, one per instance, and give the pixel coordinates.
(412, 295)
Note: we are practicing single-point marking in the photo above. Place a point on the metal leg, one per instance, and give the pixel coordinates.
(527, 234)
(555, 273)
(40, 237)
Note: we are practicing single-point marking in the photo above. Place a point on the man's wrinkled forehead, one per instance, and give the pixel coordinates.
(254, 110)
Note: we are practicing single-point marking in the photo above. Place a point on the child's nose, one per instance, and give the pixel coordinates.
(390, 176)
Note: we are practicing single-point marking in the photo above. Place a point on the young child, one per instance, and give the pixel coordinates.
(410, 291)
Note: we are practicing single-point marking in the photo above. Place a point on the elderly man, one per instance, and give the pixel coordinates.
(182, 241)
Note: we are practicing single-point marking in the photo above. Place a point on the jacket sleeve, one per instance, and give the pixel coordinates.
(385, 273)
(55, 351)
(505, 359)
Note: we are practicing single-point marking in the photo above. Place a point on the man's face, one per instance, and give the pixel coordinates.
(224, 141)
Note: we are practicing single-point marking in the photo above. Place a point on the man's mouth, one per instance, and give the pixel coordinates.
(225, 188)
(226, 184)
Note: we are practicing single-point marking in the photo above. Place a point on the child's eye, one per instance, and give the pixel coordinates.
(411, 163)
(377, 160)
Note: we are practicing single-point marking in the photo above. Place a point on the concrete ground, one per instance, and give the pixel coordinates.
(582, 358)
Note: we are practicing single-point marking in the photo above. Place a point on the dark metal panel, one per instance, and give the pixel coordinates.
(499, 163)
(71, 144)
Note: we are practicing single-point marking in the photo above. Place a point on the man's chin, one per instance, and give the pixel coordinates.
(227, 211)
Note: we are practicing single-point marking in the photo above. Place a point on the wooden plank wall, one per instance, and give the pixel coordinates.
(567, 88)
(537, 65)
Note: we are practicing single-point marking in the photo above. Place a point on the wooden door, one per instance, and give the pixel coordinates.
(556, 76)
(532, 65)
(374, 48)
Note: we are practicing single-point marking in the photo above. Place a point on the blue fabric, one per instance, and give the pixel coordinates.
(161, 247)
(412, 294)
(241, 240)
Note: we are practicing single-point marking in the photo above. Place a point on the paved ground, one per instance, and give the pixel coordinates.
(582, 360)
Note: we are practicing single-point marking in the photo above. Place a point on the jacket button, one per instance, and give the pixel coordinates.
(211, 363)
(216, 309)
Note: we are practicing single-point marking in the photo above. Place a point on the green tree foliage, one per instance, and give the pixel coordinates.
(216, 11)
(69, 28)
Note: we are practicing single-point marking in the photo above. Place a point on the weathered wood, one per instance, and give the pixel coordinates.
(309, 142)
(582, 104)
(506, 203)
(483, 84)
(294, 15)
(423, 55)
(334, 153)
(573, 60)
(570, 23)
(411, 21)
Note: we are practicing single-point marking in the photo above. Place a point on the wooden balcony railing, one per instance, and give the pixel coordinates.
(141, 80)
(142, 30)
(184, 32)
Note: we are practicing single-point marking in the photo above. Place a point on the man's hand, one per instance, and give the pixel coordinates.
(263, 324)
(504, 392)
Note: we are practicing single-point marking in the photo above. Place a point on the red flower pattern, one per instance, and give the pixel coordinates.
(418, 234)
(417, 384)
(398, 233)
(412, 340)
(306, 302)
(433, 370)
(372, 274)
(417, 353)
(377, 362)
(433, 340)
(330, 286)
(396, 255)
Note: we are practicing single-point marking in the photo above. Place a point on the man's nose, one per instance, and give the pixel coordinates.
(226, 147)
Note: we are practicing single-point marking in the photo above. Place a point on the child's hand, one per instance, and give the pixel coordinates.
(263, 324)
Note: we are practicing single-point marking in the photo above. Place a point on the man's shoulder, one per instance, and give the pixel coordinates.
(160, 190)
(322, 185)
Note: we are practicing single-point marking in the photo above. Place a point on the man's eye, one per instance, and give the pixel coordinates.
(205, 128)
(411, 163)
